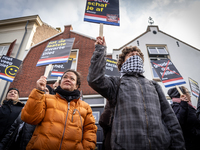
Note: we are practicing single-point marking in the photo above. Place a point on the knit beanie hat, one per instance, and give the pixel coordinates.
(13, 89)
(173, 92)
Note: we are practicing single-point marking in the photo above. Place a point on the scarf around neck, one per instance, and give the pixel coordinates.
(132, 65)
(68, 95)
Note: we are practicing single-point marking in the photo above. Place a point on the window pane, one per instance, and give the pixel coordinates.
(162, 50)
(4, 49)
(155, 75)
(152, 50)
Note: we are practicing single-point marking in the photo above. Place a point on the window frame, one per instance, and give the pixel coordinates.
(157, 57)
(1, 50)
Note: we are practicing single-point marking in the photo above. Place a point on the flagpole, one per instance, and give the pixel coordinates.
(47, 70)
(101, 30)
(179, 90)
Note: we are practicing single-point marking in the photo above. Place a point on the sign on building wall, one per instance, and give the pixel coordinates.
(102, 11)
(167, 72)
(9, 67)
(194, 87)
(56, 52)
(59, 69)
(111, 68)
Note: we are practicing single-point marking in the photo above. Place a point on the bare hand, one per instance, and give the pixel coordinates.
(100, 40)
(184, 98)
(41, 83)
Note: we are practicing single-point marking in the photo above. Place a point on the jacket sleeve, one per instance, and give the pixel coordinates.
(34, 110)
(89, 131)
(181, 112)
(171, 121)
(9, 137)
(96, 77)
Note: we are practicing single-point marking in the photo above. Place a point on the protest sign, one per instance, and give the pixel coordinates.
(111, 68)
(59, 69)
(102, 11)
(9, 67)
(194, 87)
(167, 72)
(56, 52)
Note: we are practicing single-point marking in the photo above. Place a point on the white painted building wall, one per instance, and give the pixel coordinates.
(12, 29)
(185, 57)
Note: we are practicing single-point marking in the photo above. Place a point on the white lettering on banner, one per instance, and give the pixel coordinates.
(58, 66)
(53, 49)
(111, 65)
(48, 53)
(4, 65)
(105, 1)
(6, 62)
(109, 68)
(163, 64)
(7, 58)
(168, 72)
(163, 69)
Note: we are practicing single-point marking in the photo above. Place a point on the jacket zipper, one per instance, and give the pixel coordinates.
(64, 125)
(145, 109)
(74, 111)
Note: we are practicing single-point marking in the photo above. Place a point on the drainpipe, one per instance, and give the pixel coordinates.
(15, 57)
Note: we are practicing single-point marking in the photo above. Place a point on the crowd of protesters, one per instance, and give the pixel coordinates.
(137, 114)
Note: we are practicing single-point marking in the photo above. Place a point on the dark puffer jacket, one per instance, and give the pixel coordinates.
(8, 113)
(18, 135)
(190, 125)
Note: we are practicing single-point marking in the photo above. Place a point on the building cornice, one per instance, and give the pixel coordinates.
(34, 18)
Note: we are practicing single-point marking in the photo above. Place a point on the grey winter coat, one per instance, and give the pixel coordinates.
(143, 118)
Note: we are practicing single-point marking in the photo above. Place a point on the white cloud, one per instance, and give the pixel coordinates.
(178, 18)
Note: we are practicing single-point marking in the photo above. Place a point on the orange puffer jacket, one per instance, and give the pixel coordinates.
(61, 125)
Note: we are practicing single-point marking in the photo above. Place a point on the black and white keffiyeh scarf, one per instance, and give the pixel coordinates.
(132, 65)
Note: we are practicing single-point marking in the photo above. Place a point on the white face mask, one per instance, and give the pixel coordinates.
(132, 65)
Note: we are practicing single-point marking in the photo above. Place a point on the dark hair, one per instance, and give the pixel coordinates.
(185, 90)
(126, 51)
(78, 81)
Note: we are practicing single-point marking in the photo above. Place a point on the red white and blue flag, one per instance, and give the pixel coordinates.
(102, 11)
(56, 52)
(167, 72)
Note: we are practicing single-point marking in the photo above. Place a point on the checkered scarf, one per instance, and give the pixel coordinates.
(132, 65)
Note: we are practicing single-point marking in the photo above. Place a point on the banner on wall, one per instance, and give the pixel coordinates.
(56, 52)
(111, 68)
(194, 87)
(167, 72)
(9, 67)
(59, 69)
(102, 11)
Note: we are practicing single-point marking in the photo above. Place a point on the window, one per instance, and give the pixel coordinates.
(157, 53)
(74, 55)
(4, 49)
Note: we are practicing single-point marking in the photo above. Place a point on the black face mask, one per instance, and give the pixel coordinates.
(68, 95)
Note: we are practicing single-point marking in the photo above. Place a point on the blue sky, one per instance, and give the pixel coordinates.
(179, 18)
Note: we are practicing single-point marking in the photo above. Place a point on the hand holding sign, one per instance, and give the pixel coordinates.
(41, 83)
